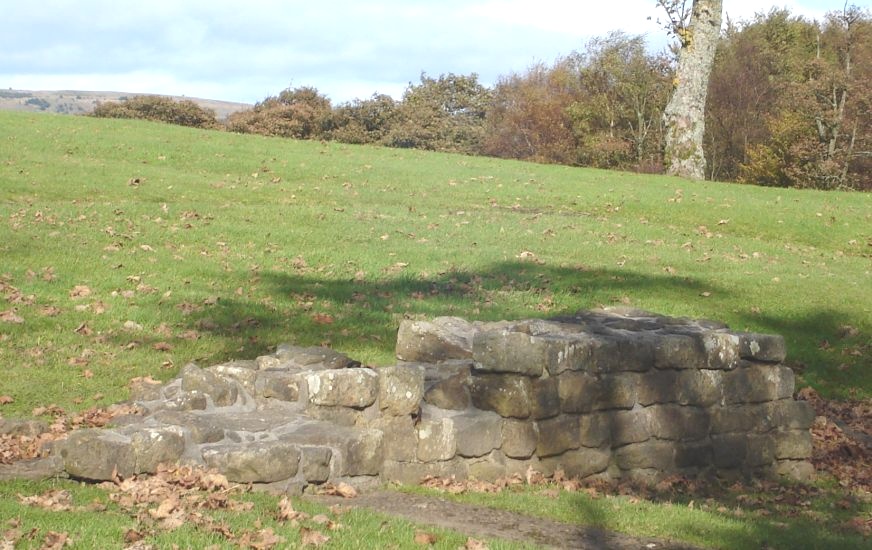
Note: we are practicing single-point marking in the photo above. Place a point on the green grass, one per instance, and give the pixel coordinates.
(231, 244)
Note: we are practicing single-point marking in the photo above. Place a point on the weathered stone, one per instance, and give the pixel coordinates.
(312, 358)
(578, 391)
(761, 450)
(145, 389)
(729, 450)
(315, 463)
(799, 470)
(741, 418)
(508, 351)
(523, 466)
(557, 435)
(436, 440)
(678, 423)
(679, 351)
(343, 387)
(259, 462)
(281, 385)
(489, 467)
(222, 391)
(791, 415)
(243, 376)
(200, 428)
(659, 455)
(721, 349)
(793, 444)
(657, 387)
(623, 351)
(594, 430)
(34, 469)
(401, 437)
(412, 473)
(189, 401)
(438, 340)
(97, 454)
(693, 455)
(616, 391)
(544, 398)
(400, 389)
(699, 388)
(757, 383)
(769, 348)
(519, 438)
(449, 393)
(507, 395)
(633, 426)
(341, 416)
(477, 433)
(22, 427)
(579, 463)
(154, 446)
(265, 362)
(356, 451)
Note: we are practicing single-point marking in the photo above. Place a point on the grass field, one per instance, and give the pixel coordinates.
(129, 249)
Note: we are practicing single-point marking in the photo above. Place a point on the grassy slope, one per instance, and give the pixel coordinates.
(325, 243)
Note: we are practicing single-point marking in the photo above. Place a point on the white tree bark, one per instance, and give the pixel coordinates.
(685, 113)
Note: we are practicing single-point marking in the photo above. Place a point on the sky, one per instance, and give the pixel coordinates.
(347, 49)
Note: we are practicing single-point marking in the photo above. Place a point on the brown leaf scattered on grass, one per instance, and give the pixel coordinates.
(49, 311)
(475, 544)
(322, 318)
(310, 537)
(425, 538)
(287, 512)
(162, 346)
(83, 329)
(55, 541)
(11, 316)
(56, 500)
(80, 291)
(260, 540)
(341, 489)
(6, 399)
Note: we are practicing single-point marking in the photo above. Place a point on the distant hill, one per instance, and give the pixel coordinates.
(77, 102)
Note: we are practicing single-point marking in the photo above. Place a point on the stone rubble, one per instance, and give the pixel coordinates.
(616, 393)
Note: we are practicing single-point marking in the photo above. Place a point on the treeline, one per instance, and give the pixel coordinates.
(789, 105)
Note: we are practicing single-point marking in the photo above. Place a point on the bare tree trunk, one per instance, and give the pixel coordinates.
(685, 114)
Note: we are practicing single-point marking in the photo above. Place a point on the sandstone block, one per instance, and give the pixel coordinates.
(356, 388)
(258, 462)
(401, 437)
(769, 348)
(721, 349)
(545, 398)
(449, 393)
(659, 455)
(282, 385)
(477, 433)
(623, 352)
(146, 390)
(678, 423)
(154, 446)
(761, 450)
(579, 463)
(400, 389)
(97, 454)
(594, 430)
(799, 470)
(617, 391)
(657, 387)
(679, 351)
(699, 388)
(507, 351)
(310, 358)
(412, 473)
(201, 428)
(756, 383)
(633, 426)
(729, 450)
(22, 427)
(693, 455)
(222, 391)
(793, 444)
(578, 391)
(437, 440)
(557, 435)
(791, 415)
(489, 467)
(742, 418)
(505, 394)
(240, 374)
(437, 340)
(315, 463)
(519, 438)
(356, 451)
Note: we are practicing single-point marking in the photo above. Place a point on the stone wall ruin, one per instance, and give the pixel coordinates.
(614, 393)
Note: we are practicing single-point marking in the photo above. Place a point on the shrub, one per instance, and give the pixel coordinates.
(160, 109)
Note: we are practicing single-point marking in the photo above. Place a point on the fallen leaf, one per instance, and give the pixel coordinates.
(80, 291)
(475, 544)
(425, 538)
(322, 318)
(83, 329)
(312, 537)
(55, 541)
(342, 490)
(87, 373)
(162, 346)
(287, 512)
(165, 508)
(6, 399)
(11, 316)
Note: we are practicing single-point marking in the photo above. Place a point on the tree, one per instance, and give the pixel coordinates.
(301, 113)
(685, 113)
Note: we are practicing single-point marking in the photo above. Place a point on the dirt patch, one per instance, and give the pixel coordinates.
(481, 521)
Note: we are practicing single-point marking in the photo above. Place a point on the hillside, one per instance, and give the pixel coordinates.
(77, 102)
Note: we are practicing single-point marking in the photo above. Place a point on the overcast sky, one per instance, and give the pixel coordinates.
(245, 50)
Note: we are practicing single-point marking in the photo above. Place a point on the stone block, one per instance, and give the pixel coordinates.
(678, 352)
(519, 438)
(489, 467)
(578, 391)
(761, 451)
(201, 428)
(449, 393)
(755, 418)
(791, 415)
(258, 462)
(441, 339)
(721, 350)
(356, 451)
(756, 383)
(505, 394)
(315, 463)
(507, 351)
(793, 444)
(401, 437)
(310, 358)
(633, 426)
(240, 374)
(154, 446)
(594, 430)
(693, 455)
(522, 466)
(275, 384)
(768, 348)
(799, 470)
(356, 388)
(557, 435)
(678, 423)
(544, 398)
(477, 433)
(616, 391)
(22, 427)
(412, 473)
(188, 401)
(729, 450)
(341, 416)
(579, 463)
(222, 391)
(145, 390)
(400, 389)
(659, 455)
(97, 454)
(699, 388)
(437, 440)
(622, 351)
(657, 387)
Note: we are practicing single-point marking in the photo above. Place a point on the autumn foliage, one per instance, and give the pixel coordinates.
(159, 109)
